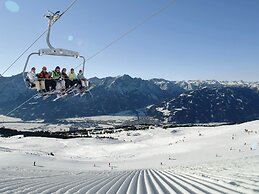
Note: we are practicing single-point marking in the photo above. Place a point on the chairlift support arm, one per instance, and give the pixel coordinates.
(52, 18)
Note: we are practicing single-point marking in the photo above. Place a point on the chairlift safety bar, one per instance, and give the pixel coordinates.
(50, 52)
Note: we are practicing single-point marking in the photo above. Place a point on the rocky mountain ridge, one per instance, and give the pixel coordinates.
(123, 93)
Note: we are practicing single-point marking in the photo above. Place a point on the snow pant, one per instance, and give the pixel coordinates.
(40, 85)
(48, 84)
(72, 82)
(67, 83)
(30, 83)
(84, 83)
(62, 84)
(53, 84)
(57, 84)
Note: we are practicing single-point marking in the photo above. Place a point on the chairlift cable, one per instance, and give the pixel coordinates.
(98, 52)
(69, 7)
(23, 53)
(35, 41)
(132, 29)
(19, 106)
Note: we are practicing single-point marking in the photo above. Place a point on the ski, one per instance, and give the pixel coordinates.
(60, 95)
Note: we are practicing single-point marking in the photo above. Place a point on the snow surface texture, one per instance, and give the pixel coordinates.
(209, 178)
(222, 159)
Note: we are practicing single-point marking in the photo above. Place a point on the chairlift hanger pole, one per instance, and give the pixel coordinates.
(52, 18)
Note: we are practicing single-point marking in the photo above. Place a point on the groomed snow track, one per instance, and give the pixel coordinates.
(196, 179)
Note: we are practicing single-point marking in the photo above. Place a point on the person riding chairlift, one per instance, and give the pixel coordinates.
(34, 82)
(44, 76)
(65, 81)
(56, 79)
(83, 82)
(72, 78)
(31, 78)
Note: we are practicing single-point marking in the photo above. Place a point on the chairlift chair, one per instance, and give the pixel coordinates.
(51, 51)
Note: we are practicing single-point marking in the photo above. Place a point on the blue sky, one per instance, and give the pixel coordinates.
(192, 39)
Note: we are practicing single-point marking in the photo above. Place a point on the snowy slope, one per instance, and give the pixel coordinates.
(198, 179)
(222, 159)
(228, 104)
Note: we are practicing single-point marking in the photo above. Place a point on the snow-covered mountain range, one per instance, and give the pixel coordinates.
(224, 104)
(172, 101)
